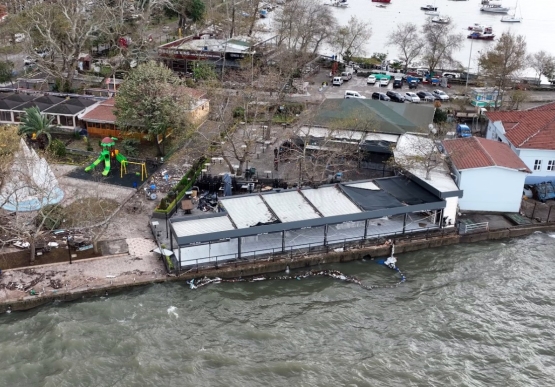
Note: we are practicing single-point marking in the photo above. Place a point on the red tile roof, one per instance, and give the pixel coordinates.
(531, 129)
(476, 152)
(103, 112)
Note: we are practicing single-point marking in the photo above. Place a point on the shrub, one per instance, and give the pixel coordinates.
(130, 146)
(239, 112)
(53, 216)
(58, 148)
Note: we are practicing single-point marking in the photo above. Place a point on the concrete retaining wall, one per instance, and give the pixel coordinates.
(279, 265)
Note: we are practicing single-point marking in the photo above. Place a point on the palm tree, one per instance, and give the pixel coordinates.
(35, 123)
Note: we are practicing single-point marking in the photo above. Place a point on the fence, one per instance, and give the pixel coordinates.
(270, 254)
(473, 227)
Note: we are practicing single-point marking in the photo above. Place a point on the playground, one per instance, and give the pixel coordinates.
(112, 167)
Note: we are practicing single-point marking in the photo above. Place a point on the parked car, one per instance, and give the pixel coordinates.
(440, 95)
(451, 75)
(395, 97)
(347, 76)
(384, 82)
(371, 80)
(28, 61)
(380, 96)
(412, 97)
(413, 84)
(337, 81)
(353, 94)
(397, 83)
(426, 96)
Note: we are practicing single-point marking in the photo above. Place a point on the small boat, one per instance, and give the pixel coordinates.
(441, 20)
(512, 18)
(481, 36)
(381, 1)
(339, 3)
(494, 8)
(476, 27)
(429, 8)
(431, 13)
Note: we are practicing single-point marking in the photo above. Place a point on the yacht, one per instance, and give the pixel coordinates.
(441, 20)
(429, 8)
(512, 18)
(494, 8)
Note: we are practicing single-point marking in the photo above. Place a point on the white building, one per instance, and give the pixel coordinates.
(531, 135)
(490, 174)
(409, 150)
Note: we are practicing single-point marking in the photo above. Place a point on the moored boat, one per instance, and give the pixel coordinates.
(494, 8)
(512, 18)
(481, 36)
(381, 1)
(476, 27)
(429, 8)
(441, 20)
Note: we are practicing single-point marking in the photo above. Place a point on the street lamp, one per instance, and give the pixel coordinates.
(468, 69)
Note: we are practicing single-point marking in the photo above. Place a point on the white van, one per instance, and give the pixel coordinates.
(337, 81)
(353, 94)
(347, 76)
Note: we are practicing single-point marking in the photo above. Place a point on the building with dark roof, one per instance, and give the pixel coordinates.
(289, 221)
(62, 109)
(531, 135)
(489, 173)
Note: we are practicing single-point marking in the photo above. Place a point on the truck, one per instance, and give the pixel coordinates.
(463, 131)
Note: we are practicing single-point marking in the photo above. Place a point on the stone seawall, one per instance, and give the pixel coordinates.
(273, 266)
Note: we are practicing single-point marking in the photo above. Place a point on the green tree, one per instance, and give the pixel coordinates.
(33, 122)
(193, 10)
(151, 100)
(204, 72)
(502, 63)
(6, 71)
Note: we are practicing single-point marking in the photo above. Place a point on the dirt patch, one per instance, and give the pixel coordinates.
(89, 210)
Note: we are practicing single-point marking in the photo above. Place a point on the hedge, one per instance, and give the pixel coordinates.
(182, 187)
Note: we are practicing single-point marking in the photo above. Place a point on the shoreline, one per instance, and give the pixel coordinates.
(267, 266)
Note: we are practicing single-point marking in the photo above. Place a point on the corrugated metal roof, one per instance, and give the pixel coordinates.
(247, 211)
(202, 226)
(365, 185)
(290, 206)
(330, 201)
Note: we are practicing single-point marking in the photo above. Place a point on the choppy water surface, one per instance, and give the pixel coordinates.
(472, 315)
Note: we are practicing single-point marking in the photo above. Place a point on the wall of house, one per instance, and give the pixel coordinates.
(540, 172)
(95, 129)
(495, 131)
(200, 113)
(491, 189)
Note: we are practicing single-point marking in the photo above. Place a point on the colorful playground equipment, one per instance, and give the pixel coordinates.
(108, 153)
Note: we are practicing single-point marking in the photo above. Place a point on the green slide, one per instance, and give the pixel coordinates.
(121, 158)
(106, 170)
(95, 163)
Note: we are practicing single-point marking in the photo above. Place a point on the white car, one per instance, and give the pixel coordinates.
(29, 61)
(353, 94)
(412, 97)
(384, 82)
(371, 80)
(441, 95)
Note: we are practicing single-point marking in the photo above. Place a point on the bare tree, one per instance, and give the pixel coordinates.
(349, 40)
(441, 42)
(543, 63)
(303, 25)
(408, 41)
(502, 63)
(417, 152)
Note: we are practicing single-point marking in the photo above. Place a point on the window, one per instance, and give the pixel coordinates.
(551, 165)
(537, 165)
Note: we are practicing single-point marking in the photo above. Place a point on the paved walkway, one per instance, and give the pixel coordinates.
(139, 265)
